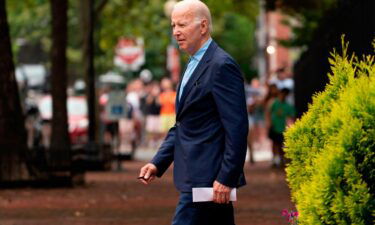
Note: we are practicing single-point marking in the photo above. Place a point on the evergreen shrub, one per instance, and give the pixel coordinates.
(332, 169)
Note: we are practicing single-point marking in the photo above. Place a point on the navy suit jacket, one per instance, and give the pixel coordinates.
(208, 141)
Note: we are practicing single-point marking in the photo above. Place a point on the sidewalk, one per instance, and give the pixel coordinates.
(117, 198)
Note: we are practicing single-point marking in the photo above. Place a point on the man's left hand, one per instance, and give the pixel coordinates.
(221, 193)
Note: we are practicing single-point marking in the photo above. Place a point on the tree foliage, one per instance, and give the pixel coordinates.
(237, 30)
(144, 19)
(30, 21)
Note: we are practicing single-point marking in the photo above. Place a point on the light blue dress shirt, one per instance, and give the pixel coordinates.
(193, 63)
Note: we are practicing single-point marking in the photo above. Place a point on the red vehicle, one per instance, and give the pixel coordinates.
(77, 118)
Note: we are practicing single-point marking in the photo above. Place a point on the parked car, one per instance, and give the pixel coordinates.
(77, 118)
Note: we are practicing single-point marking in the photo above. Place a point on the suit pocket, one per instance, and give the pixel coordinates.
(198, 95)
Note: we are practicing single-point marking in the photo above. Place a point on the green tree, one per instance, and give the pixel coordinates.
(30, 20)
(134, 19)
(146, 19)
(238, 41)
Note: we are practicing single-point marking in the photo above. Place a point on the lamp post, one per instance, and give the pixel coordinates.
(173, 57)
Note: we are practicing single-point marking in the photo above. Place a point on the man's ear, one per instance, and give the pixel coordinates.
(204, 27)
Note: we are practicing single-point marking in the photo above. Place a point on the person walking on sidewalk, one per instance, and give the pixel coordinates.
(279, 115)
(208, 142)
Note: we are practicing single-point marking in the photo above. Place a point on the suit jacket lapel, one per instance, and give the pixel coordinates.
(201, 67)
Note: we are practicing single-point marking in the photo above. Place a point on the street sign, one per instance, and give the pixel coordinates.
(129, 54)
(116, 107)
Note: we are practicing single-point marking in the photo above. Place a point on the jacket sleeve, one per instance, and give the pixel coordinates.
(164, 157)
(229, 95)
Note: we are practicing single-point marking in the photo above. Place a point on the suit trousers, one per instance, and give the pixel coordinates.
(202, 213)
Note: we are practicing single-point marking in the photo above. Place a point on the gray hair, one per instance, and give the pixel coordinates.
(200, 9)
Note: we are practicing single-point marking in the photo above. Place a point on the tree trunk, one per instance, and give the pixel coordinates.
(87, 7)
(60, 143)
(13, 144)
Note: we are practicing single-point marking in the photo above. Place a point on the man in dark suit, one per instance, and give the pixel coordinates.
(208, 142)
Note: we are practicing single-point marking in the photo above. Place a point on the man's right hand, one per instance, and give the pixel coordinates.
(148, 173)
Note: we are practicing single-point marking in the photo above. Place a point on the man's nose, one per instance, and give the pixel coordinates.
(175, 32)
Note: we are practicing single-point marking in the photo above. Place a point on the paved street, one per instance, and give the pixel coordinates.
(114, 198)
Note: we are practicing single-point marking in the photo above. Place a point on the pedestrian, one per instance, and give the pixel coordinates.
(152, 113)
(167, 100)
(279, 114)
(254, 100)
(208, 142)
(134, 126)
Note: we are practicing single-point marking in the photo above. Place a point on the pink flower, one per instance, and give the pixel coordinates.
(295, 214)
(285, 213)
(291, 217)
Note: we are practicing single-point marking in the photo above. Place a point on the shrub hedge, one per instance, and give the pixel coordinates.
(332, 147)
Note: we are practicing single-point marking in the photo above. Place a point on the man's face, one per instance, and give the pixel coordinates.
(186, 30)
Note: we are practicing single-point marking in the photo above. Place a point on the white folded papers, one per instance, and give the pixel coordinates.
(205, 194)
